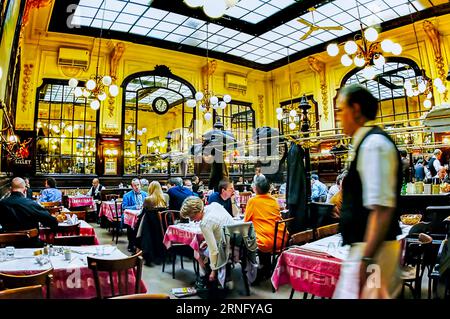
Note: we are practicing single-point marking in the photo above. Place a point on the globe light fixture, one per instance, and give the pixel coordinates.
(212, 8)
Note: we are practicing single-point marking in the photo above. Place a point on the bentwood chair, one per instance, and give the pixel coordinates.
(18, 238)
(31, 292)
(328, 230)
(167, 218)
(120, 269)
(44, 279)
(301, 238)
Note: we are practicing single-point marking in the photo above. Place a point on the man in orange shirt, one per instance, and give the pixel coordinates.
(263, 210)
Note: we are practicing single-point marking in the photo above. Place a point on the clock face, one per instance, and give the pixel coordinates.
(160, 105)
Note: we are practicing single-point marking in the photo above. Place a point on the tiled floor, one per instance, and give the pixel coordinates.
(159, 282)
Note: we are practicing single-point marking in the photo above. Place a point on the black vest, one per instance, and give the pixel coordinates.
(354, 215)
(431, 167)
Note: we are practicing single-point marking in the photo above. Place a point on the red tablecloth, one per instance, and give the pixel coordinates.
(131, 217)
(71, 280)
(108, 209)
(188, 234)
(80, 201)
(307, 271)
(85, 230)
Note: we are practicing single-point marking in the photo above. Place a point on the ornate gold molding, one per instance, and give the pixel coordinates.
(31, 4)
(434, 37)
(261, 108)
(319, 67)
(26, 85)
(208, 71)
(115, 56)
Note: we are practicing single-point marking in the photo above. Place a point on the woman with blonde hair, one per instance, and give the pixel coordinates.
(156, 198)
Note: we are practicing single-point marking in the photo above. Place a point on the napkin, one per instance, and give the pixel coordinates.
(71, 220)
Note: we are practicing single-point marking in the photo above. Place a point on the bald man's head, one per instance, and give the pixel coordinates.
(18, 185)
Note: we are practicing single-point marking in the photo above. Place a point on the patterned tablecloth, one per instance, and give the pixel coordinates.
(314, 268)
(108, 209)
(71, 279)
(184, 233)
(85, 230)
(131, 217)
(80, 201)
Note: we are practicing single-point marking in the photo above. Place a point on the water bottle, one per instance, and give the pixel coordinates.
(50, 250)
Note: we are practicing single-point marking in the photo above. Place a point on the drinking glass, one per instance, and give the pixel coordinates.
(9, 251)
(100, 250)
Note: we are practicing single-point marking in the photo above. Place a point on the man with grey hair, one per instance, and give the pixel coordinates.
(177, 193)
(434, 165)
(20, 213)
(134, 200)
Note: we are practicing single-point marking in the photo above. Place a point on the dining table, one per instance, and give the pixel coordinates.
(314, 268)
(72, 279)
(85, 230)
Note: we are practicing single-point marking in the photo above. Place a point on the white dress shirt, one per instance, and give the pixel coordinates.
(215, 217)
(377, 166)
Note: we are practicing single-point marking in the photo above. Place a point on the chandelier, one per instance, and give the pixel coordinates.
(212, 8)
(365, 51)
(207, 100)
(96, 87)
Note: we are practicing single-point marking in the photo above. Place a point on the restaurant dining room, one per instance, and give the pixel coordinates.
(225, 149)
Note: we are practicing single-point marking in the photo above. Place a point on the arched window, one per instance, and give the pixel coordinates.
(388, 87)
(66, 131)
(154, 105)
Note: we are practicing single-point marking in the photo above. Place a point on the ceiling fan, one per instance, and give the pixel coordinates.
(313, 27)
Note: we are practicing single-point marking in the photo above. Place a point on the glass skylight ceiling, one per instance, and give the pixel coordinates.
(136, 17)
(255, 11)
(378, 89)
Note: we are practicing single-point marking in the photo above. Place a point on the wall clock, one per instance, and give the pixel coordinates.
(160, 105)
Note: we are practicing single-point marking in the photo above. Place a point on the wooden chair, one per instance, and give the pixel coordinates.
(44, 278)
(326, 231)
(143, 296)
(119, 266)
(167, 218)
(80, 214)
(54, 210)
(69, 230)
(321, 214)
(110, 197)
(50, 204)
(31, 292)
(116, 223)
(74, 240)
(18, 238)
(301, 238)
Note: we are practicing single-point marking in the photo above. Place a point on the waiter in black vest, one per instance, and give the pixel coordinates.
(434, 165)
(371, 190)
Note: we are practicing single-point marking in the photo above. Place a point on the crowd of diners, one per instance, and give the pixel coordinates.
(365, 199)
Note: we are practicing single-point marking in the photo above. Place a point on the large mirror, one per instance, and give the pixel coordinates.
(155, 115)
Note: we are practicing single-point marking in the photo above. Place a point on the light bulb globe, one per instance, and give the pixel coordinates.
(397, 49)
(227, 98)
(379, 61)
(214, 9)
(191, 103)
(427, 104)
(95, 104)
(437, 82)
(90, 85)
(214, 100)
(199, 96)
(102, 96)
(293, 113)
(279, 117)
(386, 45)
(279, 110)
(333, 49)
(78, 91)
(292, 126)
(194, 3)
(73, 83)
(113, 90)
(107, 80)
(208, 116)
(350, 47)
(86, 93)
(346, 60)
(222, 105)
(371, 34)
(359, 61)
